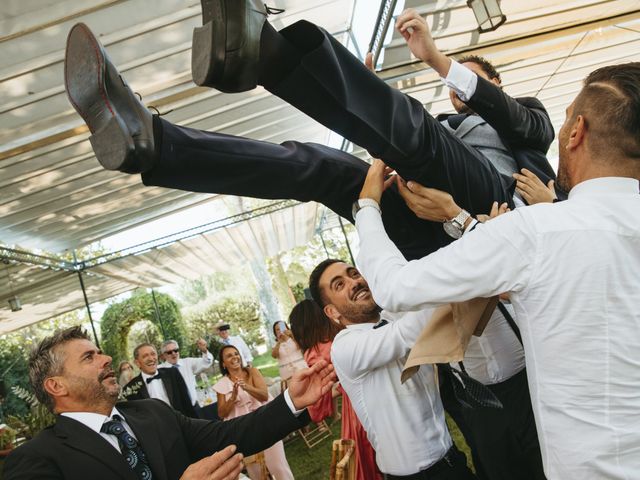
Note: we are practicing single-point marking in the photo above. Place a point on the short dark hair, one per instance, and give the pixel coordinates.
(310, 326)
(486, 66)
(137, 349)
(314, 280)
(610, 101)
(46, 360)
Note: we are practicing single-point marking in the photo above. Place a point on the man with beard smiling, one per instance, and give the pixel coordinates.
(165, 384)
(94, 437)
(404, 422)
(572, 270)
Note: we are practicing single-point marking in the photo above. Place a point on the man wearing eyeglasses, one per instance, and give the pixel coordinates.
(188, 367)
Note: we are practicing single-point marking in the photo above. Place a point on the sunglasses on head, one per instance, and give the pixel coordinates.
(170, 352)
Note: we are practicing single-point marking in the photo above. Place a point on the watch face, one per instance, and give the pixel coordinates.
(452, 230)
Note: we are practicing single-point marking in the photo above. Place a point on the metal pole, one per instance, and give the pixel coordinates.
(344, 232)
(86, 302)
(158, 316)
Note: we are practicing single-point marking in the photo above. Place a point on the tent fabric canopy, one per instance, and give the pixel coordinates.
(47, 292)
(54, 195)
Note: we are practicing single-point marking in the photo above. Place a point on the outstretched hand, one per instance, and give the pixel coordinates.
(307, 386)
(222, 465)
(428, 203)
(415, 31)
(496, 211)
(377, 181)
(532, 189)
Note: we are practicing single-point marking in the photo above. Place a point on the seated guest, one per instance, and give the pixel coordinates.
(286, 351)
(242, 390)
(405, 422)
(165, 384)
(316, 333)
(94, 437)
(125, 372)
(188, 367)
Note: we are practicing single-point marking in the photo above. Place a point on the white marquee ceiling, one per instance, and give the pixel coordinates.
(55, 196)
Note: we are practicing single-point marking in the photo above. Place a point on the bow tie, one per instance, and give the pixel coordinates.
(155, 377)
(381, 323)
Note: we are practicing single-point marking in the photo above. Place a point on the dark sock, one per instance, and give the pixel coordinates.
(278, 57)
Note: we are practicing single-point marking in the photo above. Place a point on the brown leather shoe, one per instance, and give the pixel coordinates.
(226, 49)
(121, 127)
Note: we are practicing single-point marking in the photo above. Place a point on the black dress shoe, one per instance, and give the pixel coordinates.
(121, 127)
(226, 49)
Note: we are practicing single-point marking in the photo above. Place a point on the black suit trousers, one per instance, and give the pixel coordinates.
(333, 87)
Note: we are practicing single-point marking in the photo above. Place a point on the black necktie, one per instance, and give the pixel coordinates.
(381, 323)
(469, 392)
(131, 450)
(155, 377)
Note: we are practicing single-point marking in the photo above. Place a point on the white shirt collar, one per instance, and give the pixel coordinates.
(145, 376)
(605, 185)
(92, 420)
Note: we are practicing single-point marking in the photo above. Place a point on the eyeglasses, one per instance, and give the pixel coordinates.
(171, 352)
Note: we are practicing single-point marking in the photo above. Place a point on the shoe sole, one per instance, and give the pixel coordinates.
(207, 63)
(85, 63)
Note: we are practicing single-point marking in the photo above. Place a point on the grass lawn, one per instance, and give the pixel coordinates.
(267, 365)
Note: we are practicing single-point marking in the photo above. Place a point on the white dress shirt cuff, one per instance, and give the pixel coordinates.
(292, 407)
(461, 80)
(368, 220)
(472, 224)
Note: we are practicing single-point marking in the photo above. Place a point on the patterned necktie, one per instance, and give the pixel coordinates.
(131, 450)
(469, 392)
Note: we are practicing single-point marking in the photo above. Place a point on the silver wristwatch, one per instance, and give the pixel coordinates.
(364, 202)
(455, 226)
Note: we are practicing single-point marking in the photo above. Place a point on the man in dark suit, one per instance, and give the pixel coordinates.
(94, 437)
(305, 66)
(165, 384)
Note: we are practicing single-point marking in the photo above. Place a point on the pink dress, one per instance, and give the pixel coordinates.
(274, 456)
(323, 408)
(290, 359)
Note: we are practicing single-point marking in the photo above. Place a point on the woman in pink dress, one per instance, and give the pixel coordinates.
(314, 332)
(240, 391)
(286, 351)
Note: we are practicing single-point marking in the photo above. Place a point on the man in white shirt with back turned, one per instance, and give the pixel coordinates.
(573, 273)
(404, 421)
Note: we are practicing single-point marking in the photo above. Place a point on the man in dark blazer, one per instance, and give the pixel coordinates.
(164, 384)
(305, 66)
(75, 380)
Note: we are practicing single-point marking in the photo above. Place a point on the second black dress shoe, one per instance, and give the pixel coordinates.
(226, 49)
(121, 127)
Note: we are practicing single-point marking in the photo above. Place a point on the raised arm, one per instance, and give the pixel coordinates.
(523, 122)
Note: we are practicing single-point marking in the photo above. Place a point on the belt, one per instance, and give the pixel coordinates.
(451, 458)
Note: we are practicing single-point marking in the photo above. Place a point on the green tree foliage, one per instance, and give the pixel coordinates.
(243, 314)
(118, 319)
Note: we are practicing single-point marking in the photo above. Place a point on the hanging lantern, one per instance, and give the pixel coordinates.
(488, 14)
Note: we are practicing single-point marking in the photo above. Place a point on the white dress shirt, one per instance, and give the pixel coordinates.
(155, 388)
(573, 271)
(94, 421)
(404, 422)
(189, 368)
(242, 347)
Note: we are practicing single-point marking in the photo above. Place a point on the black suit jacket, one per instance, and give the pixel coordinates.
(173, 383)
(71, 451)
(522, 123)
